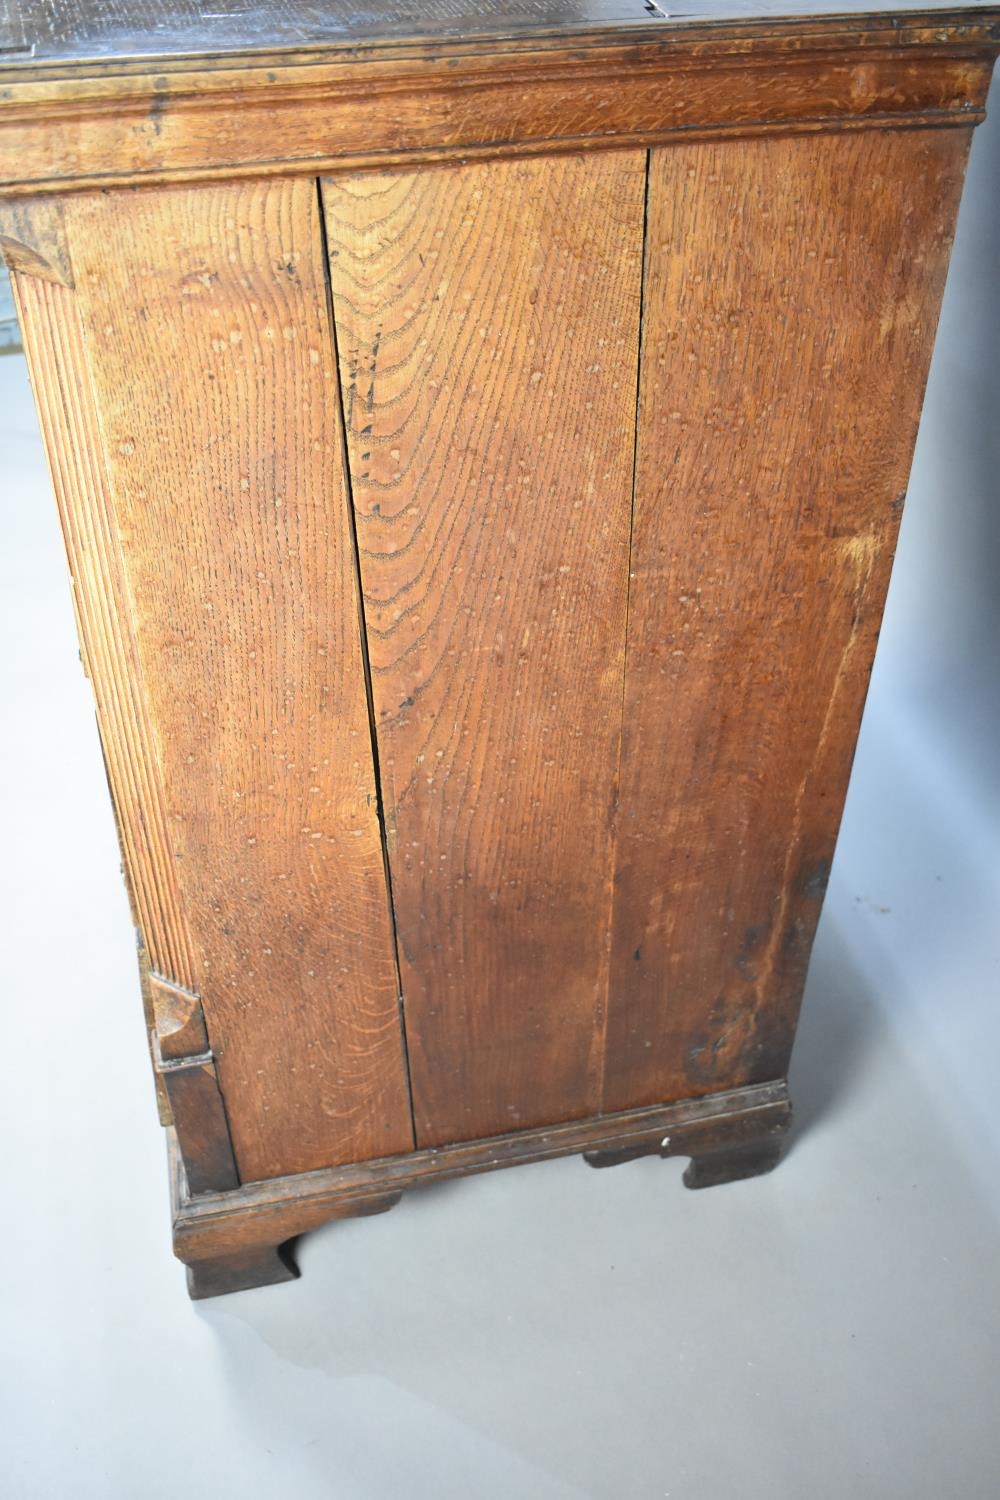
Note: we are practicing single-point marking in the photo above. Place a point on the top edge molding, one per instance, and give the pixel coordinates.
(371, 102)
(40, 38)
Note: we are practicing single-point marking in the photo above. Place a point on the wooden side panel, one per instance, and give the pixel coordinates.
(487, 322)
(210, 356)
(792, 293)
(54, 346)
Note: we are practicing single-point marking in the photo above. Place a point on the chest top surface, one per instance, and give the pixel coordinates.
(54, 32)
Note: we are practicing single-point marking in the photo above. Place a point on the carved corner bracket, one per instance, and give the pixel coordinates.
(33, 239)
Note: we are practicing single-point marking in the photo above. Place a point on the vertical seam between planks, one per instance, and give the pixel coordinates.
(628, 615)
(365, 661)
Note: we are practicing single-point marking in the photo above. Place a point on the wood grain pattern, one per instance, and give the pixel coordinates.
(40, 33)
(487, 325)
(63, 30)
(593, 921)
(211, 355)
(792, 293)
(57, 360)
(320, 116)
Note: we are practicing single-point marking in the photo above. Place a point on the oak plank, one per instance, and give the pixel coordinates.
(792, 294)
(487, 321)
(55, 348)
(215, 383)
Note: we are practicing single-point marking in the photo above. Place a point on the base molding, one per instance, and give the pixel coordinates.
(230, 1240)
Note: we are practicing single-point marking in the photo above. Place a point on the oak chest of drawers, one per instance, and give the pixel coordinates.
(480, 437)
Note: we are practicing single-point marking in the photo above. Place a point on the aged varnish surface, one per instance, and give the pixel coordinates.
(491, 467)
(777, 415)
(480, 436)
(245, 610)
(63, 31)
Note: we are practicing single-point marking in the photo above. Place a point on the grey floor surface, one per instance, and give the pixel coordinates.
(549, 1332)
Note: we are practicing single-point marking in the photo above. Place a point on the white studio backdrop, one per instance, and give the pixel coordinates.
(923, 813)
